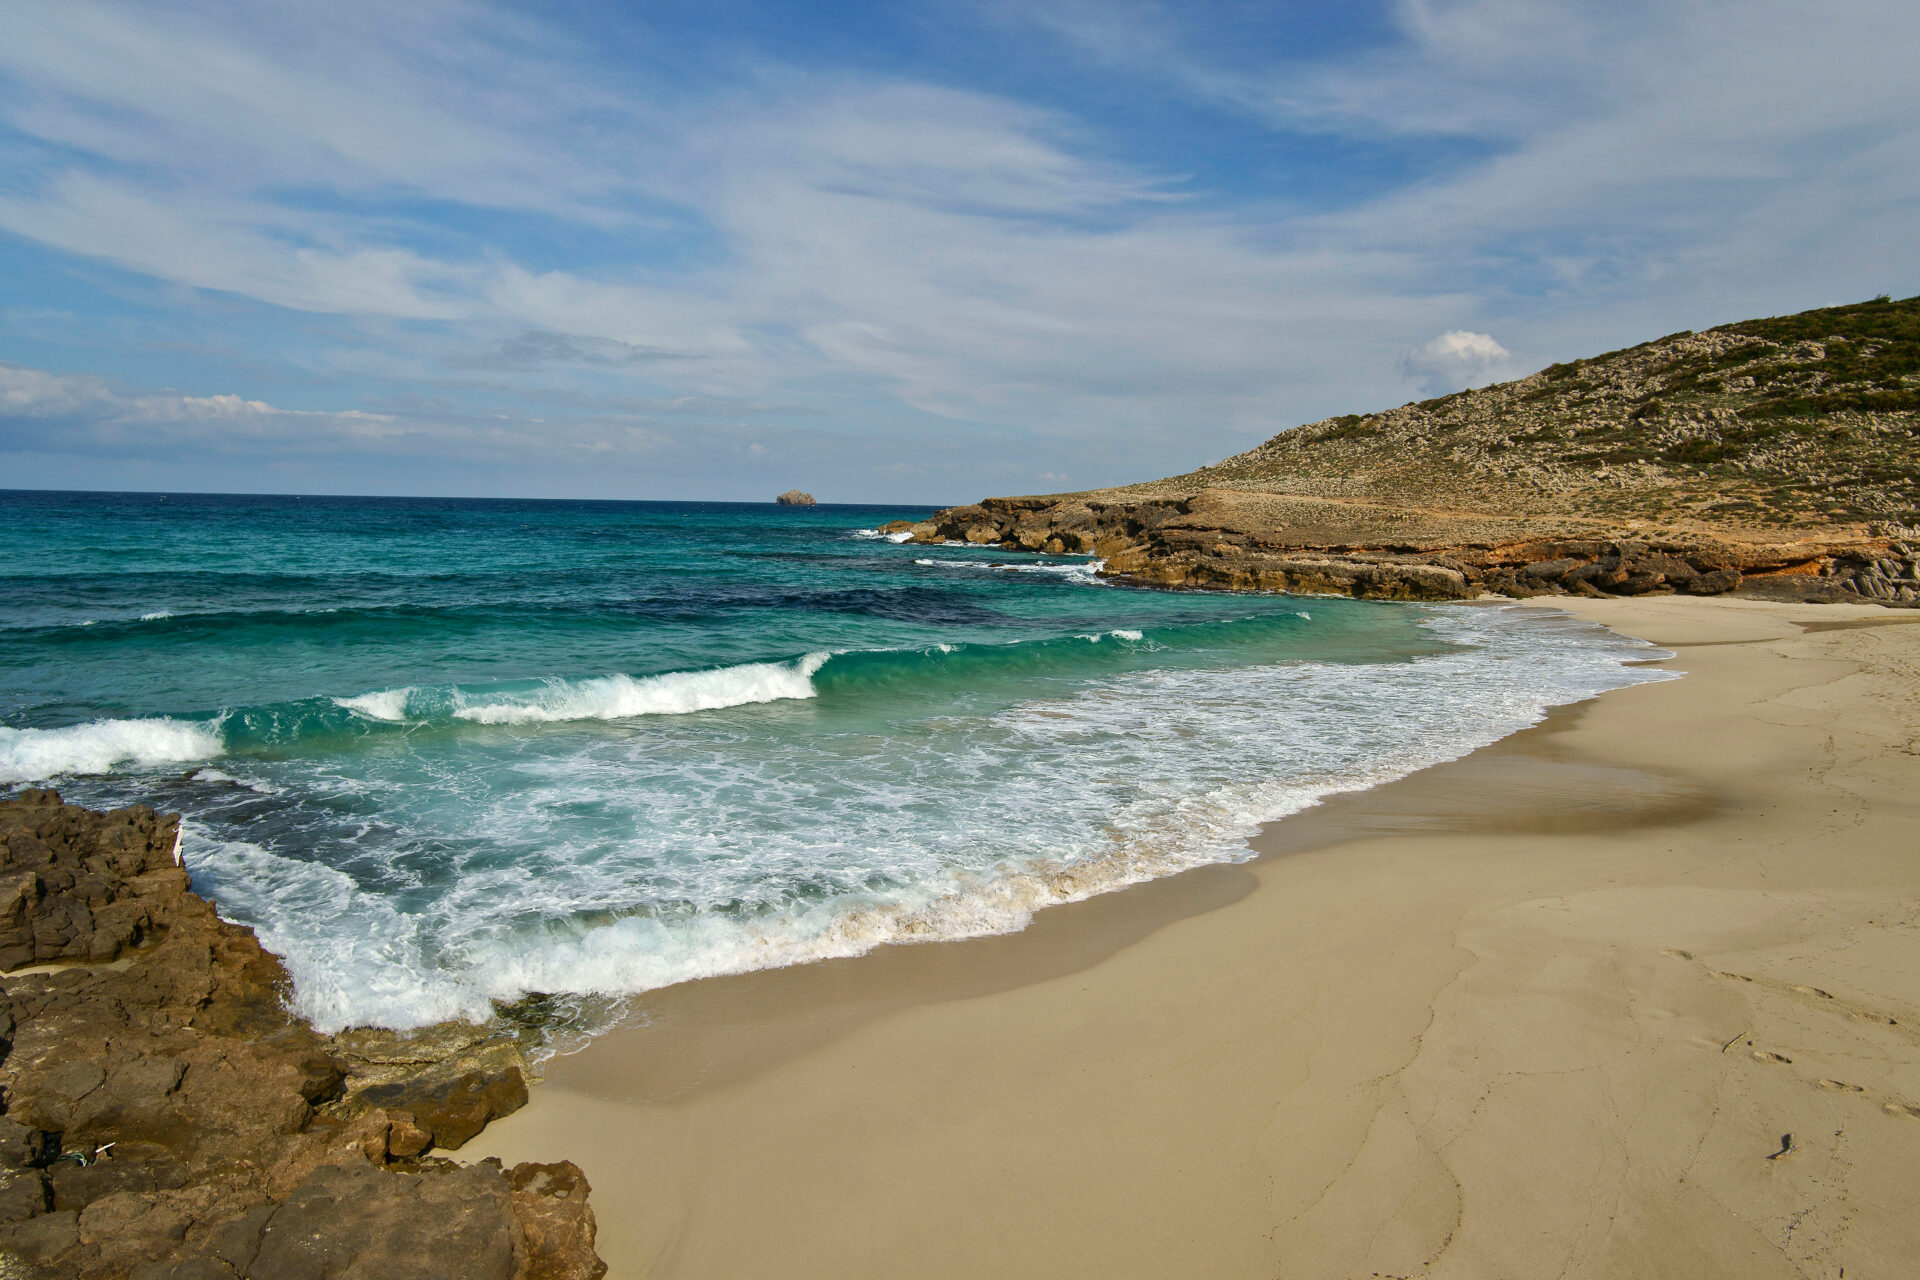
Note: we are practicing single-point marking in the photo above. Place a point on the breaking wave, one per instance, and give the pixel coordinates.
(31, 755)
(671, 694)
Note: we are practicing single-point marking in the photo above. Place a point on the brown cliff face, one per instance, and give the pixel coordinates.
(1777, 457)
(166, 1118)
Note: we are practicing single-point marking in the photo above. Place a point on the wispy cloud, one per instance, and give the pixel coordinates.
(916, 252)
(537, 348)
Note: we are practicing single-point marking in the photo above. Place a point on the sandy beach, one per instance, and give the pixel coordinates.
(1550, 1010)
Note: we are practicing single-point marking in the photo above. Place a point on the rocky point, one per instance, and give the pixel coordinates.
(166, 1118)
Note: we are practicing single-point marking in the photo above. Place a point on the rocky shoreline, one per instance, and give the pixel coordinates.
(1227, 540)
(166, 1118)
(1772, 458)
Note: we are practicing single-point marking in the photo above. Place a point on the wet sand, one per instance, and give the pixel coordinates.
(1547, 1010)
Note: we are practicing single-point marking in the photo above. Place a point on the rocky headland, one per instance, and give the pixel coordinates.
(1775, 458)
(166, 1118)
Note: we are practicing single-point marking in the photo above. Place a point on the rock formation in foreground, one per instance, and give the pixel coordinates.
(166, 1118)
(1778, 457)
(795, 498)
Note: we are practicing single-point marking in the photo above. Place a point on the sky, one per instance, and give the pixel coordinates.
(894, 253)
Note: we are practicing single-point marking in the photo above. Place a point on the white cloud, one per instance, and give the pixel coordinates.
(1457, 359)
(86, 414)
(875, 249)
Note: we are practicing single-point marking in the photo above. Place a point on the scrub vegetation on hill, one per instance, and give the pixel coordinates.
(1796, 420)
(1776, 457)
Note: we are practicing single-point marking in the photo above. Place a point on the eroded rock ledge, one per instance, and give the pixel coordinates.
(1239, 541)
(165, 1117)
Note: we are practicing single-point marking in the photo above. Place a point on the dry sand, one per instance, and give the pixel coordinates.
(1545, 1011)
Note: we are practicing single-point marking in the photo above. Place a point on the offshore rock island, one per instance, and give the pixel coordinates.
(1774, 458)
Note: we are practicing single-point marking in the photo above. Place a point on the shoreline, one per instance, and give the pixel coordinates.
(1476, 1021)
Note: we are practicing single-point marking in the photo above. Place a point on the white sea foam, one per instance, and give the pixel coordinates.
(156, 616)
(619, 697)
(365, 967)
(383, 704)
(210, 774)
(32, 755)
(1085, 572)
(712, 852)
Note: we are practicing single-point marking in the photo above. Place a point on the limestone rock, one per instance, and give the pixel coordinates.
(172, 1119)
(80, 885)
(795, 498)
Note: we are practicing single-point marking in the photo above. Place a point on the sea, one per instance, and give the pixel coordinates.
(454, 756)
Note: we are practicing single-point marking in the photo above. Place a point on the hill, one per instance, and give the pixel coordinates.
(1776, 456)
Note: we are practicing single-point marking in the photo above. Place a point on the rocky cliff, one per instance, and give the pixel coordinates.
(1776, 457)
(165, 1117)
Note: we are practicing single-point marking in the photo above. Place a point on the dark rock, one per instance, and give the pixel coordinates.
(80, 885)
(23, 1194)
(443, 1223)
(550, 1202)
(160, 1118)
(453, 1107)
(1714, 582)
(44, 1238)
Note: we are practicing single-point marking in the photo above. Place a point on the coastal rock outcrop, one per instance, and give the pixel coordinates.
(165, 1117)
(795, 498)
(1773, 457)
(1238, 541)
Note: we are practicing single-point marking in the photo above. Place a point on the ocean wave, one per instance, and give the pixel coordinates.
(367, 968)
(35, 755)
(619, 697)
(336, 722)
(389, 705)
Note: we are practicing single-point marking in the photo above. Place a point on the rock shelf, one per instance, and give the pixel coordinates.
(166, 1117)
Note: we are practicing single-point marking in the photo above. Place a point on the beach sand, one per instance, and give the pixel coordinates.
(1545, 1011)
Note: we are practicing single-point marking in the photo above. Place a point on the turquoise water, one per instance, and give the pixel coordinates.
(444, 753)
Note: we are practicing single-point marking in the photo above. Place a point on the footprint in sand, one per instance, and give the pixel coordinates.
(1762, 1055)
(1676, 953)
(1838, 1086)
(1814, 991)
(1902, 1109)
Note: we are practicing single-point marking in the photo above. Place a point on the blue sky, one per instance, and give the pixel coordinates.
(886, 252)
